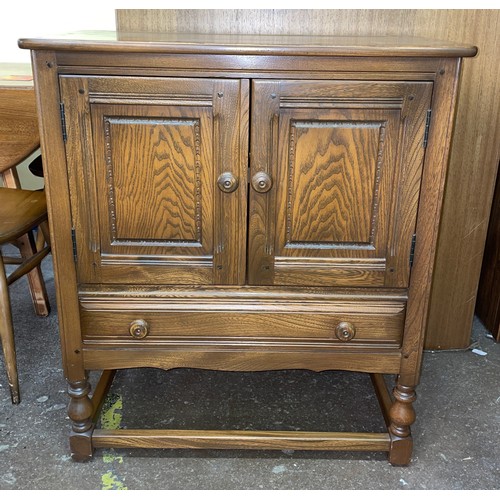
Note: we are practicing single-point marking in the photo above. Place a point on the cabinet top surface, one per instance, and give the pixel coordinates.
(184, 43)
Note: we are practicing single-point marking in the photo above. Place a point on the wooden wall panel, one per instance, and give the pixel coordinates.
(488, 297)
(476, 143)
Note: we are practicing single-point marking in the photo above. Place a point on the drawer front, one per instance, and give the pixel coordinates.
(373, 323)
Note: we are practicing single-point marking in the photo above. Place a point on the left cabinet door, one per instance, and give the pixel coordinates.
(157, 170)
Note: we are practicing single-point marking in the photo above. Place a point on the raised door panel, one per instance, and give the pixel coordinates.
(144, 156)
(155, 182)
(344, 161)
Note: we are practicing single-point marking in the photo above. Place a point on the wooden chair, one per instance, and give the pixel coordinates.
(21, 211)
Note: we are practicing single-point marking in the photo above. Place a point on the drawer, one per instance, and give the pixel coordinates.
(369, 323)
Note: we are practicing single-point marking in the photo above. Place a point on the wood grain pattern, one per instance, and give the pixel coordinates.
(475, 145)
(174, 181)
(175, 170)
(58, 201)
(488, 297)
(181, 316)
(231, 115)
(263, 158)
(269, 440)
(427, 229)
(333, 274)
(325, 160)
(473, 164)
(193, 42)
(18, 125)
(82, 177)
(179, 133)
(346, 161)
(245, 66)
(376, 323)
(20, 211)
(238, 294)
(250, 359)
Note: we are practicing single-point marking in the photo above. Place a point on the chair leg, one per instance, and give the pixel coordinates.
(27, 247)
(7, 336)
(44, 232)
(38, 291)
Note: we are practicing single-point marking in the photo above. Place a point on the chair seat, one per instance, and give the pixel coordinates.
(20, 210)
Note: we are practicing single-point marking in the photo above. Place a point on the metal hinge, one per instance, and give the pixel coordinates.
(73, 239)
(412, 249)
(427, 125)
(63, 121)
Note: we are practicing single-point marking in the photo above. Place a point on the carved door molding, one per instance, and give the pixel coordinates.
(152, 211)
(345, 161)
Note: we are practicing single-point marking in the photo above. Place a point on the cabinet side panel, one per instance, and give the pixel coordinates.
(428, 220)
(58, 201)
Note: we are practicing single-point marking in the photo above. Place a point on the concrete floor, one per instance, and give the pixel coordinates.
(456, 438)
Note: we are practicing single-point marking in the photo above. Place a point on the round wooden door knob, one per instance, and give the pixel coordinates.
(262, 182)
(227, 182)
(345, 331)
(139, 329)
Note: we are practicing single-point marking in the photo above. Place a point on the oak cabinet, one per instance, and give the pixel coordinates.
(233, 204)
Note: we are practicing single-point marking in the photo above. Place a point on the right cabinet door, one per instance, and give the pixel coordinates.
(335, 178)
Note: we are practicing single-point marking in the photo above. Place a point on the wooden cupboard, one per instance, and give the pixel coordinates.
(244, 203)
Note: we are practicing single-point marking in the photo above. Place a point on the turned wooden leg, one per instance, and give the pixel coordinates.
(7, 336)
(80, 412)
(401, 416)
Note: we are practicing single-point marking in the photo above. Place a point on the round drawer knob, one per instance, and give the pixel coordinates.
(227, 182)
(345, 331)
(139, 329)
(262, 182)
